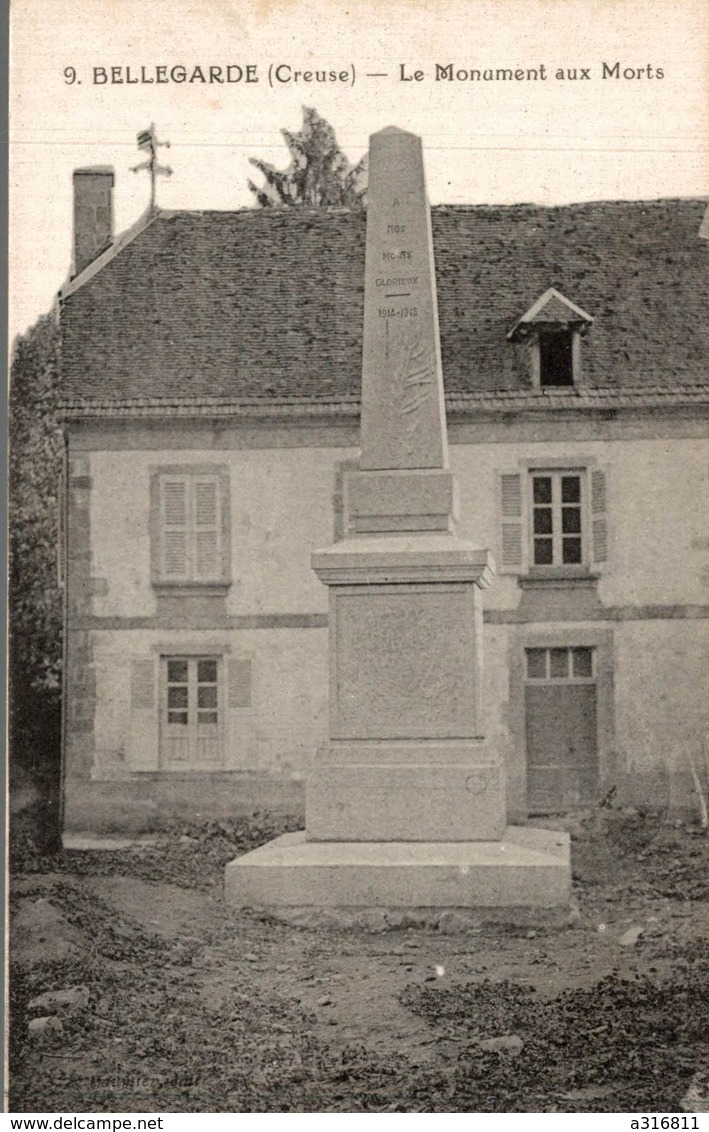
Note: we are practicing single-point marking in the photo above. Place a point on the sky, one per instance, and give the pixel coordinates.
(640, 132)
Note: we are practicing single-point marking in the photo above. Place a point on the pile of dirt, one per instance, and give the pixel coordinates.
(41, 933)
(151, 1035)
(189, 854)
(62, 935)
(616, 1047)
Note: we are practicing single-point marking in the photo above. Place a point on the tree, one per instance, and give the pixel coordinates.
(35, 605)
(319, 173)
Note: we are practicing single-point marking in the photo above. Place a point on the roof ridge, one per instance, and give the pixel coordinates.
(442, 206)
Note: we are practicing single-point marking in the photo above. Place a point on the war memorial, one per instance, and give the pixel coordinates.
(405, 805)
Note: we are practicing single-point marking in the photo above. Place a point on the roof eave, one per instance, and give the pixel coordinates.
(459, 405)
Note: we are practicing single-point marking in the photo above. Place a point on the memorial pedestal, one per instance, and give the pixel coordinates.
(406, 759)
(405, 807)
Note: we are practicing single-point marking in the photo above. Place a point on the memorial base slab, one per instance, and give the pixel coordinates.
(523, 878)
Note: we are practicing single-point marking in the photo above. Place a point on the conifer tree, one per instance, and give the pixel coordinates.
(319, 174)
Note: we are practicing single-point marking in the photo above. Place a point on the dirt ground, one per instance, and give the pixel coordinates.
(193, 1007)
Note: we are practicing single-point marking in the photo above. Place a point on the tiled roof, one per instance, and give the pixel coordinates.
(266, 305)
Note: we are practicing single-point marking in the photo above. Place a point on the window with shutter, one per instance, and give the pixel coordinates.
(551, 519)
(190, 532)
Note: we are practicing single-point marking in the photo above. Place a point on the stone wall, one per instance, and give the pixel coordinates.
(645, 610)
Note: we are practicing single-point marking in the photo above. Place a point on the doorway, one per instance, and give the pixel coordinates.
(191, 715)
(561, 728)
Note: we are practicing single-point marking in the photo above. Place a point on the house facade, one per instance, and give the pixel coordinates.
(211, 366)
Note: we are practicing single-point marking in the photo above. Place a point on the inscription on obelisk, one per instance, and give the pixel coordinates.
(403, 413)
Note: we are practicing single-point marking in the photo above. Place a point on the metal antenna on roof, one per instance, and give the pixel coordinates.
(147, 141)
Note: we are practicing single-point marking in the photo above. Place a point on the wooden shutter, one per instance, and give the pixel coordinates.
(599, 522)
(511, 555)
(174, 528)
(239, 683)
(206, 529)
(144, 722)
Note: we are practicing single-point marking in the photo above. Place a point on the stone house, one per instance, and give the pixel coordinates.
(211, 367)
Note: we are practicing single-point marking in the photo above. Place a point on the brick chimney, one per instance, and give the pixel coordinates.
(93, 213)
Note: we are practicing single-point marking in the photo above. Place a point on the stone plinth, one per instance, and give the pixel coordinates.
(403, 501)
(526, 870)
(406, 792)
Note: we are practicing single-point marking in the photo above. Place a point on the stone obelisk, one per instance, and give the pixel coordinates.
(405, 805)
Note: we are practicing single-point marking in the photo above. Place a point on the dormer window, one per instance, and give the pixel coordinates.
(553, 327)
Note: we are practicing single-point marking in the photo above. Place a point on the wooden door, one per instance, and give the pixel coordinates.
(561, 729)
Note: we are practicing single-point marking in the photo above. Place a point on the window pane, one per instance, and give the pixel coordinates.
(542, 489)
(177, 717)
(571, 520)
(207, 716)
(559, 663)
(542, 520)
(207, 696)
(177, 671)
(207, 671)
(572, 550)
(543, 552)
(570, 489)
(536, 664)
(582, 662)
(177, 696)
